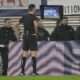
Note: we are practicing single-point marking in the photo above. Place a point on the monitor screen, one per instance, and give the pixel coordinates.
(51, 12)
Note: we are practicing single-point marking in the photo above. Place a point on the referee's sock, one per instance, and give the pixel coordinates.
(23, 62)
(34, 65)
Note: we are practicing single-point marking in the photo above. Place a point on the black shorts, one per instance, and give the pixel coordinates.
(30, 43)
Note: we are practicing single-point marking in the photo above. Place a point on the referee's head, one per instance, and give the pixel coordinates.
(32, 8)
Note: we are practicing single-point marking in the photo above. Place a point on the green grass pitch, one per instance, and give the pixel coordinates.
(40, 78)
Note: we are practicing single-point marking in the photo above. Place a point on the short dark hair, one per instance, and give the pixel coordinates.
(6, 19)
(31, 7)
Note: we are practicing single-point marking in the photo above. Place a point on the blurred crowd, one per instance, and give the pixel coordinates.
(62, 32)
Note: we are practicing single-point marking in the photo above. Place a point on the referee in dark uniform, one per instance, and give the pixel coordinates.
(6, 35)
(30, 37)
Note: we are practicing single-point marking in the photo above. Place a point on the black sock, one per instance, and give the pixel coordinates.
(34, 64)
(23, 62)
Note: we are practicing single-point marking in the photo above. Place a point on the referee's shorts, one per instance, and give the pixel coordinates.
(30, 42)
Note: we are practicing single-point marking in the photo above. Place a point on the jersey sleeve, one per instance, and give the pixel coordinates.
(13, 36)
(1, 31)
(54, 35)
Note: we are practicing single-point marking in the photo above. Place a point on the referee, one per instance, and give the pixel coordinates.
(30, 38)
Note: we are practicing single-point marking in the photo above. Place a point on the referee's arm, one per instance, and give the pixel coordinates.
(36, 26)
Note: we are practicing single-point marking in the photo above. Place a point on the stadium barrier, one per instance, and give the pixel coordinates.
(53, 58)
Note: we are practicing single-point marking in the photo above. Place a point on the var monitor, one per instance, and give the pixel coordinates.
(51, 11)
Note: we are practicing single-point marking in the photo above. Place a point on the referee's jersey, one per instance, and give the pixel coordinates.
(28, 23)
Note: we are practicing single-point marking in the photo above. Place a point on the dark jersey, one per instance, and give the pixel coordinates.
(77, 33)
(6, 35)
(43, 34)
(63, 33)
(27, 21)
